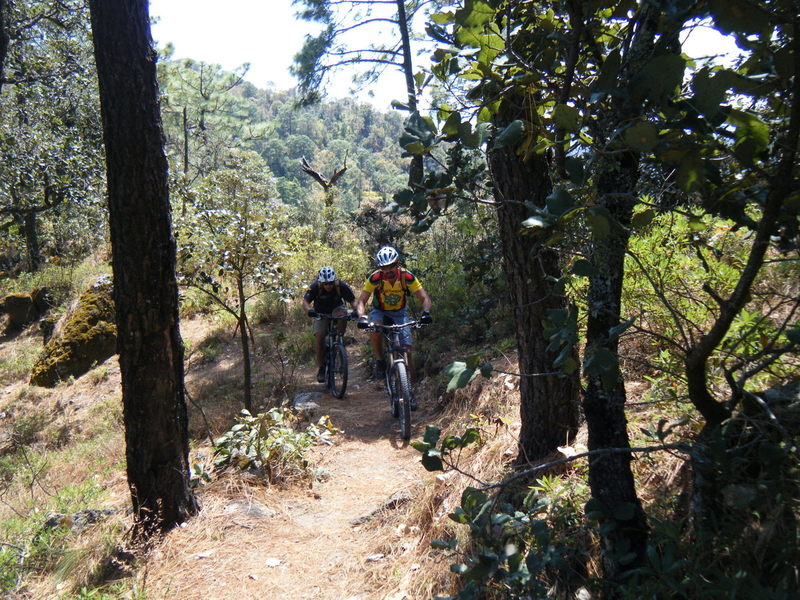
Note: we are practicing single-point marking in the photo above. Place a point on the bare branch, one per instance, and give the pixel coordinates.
(679, 447)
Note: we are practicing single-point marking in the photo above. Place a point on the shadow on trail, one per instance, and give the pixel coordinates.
(364, 413)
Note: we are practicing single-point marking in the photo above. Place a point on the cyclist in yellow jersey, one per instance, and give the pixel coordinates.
(389, 285)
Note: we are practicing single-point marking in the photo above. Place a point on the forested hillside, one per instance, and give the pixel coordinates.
(608, 228)
(221, 111)
(206, 112)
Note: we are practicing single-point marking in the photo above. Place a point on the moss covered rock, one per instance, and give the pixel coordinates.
(86, 337)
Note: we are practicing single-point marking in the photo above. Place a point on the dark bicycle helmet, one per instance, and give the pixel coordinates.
(326, 274)
(386, 256)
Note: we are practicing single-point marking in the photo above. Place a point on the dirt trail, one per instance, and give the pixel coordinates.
(304, 543)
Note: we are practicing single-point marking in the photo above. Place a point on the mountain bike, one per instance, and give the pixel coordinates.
(398, 378)
(335, 356)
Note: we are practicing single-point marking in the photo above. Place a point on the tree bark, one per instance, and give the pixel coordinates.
(243, 333)
(416, 168)
(31, 231)
(549, 414)
(610, 477)
(4, 39)
(145, 288)
(616, 175)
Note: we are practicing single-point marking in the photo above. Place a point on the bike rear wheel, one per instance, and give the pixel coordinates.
(337, 371)
(402, 388)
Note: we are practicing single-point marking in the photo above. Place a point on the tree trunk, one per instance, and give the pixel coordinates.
(145, 289)
(185, 143)
(243, 332)
(31, 233)
(416, 169)
(549, 405)
(616, 175)
(3, 40)
(610, 477)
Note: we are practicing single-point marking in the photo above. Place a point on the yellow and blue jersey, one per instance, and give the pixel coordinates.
(388, 294)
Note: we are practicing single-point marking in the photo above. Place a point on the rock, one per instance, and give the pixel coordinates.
(304, 405)
(20, 309)
(47, 326)
(250, 509)
(86, 336)
(79, 520)
(397, 500)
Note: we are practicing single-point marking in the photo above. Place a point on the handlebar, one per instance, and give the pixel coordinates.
(320, 316)
(393, 327)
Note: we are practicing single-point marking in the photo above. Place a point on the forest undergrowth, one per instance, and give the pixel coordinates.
(63, 457)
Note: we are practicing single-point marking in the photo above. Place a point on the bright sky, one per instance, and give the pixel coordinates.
(263, 33)
(266, 34)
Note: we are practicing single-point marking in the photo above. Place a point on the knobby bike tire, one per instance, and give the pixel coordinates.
(337, 378)
(403, 389)
(391, 388)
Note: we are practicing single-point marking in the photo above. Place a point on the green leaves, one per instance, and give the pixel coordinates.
(473, 138)
(642, 136)
(602, 363)
(642, 219)
(739, 16)
(475, 14)
(600, 221)
(710, 90)
(419, 134)
(433, 457)
(511, 135)
(752, 135)
(459, 375)
(561, 328)
(583, 268)
(659, 79)
(566, 117)
(560, 202)
(462, 373)
(268, 444)
(607, 81)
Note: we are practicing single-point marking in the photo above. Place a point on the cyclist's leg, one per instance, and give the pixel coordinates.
(376, 339)
(341, 324)
(320, 327)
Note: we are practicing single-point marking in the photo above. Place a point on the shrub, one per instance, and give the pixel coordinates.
(26, 428)
(269, 446)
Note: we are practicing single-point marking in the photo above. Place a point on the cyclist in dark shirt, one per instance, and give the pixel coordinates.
(328, 295)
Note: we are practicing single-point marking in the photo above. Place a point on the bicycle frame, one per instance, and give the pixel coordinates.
(398, 384)
(335, 356)
(332, 335)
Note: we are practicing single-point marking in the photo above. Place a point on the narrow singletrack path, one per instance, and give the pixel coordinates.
(308, 543)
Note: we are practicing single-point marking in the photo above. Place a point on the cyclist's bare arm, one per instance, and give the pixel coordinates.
(423, 297)
(361, 302)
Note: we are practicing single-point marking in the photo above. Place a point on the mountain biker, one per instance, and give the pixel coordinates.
(389, 285)
(328, 295)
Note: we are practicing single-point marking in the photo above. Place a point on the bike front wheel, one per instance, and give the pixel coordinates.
(391, 386)
(402, 390)
(337, 371)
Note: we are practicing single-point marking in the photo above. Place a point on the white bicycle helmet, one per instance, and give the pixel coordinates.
(386, 256)
(326, 274)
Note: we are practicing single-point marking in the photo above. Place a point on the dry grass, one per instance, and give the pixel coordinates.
(417, 570)
(227, 547)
